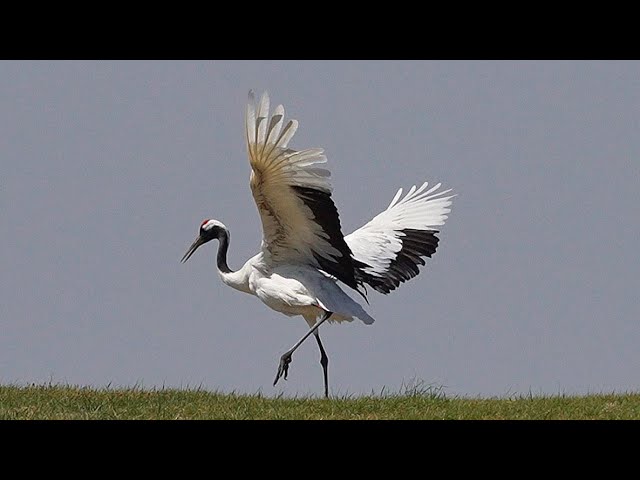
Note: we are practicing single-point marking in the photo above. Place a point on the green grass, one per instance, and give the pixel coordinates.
(68, 402)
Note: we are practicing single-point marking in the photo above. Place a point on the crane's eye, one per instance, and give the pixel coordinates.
(208, 229)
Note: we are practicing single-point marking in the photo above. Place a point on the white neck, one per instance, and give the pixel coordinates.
(240, 279)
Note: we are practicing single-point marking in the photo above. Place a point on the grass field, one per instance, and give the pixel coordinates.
(68, 402)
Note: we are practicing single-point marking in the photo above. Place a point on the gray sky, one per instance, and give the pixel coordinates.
(108, 168)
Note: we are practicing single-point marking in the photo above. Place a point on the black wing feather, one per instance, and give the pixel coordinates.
(415, 244)
(346, 268)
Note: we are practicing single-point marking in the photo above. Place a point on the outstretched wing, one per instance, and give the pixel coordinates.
(292, 190)
(393, 243)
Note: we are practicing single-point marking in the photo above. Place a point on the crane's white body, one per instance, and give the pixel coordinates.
(295, 290)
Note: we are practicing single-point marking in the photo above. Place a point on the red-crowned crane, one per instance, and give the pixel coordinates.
(304, 254)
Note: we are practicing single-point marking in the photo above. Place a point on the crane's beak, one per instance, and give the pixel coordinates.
(194, 246)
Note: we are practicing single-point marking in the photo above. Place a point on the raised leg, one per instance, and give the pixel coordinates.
(285, 360)
(324, 361)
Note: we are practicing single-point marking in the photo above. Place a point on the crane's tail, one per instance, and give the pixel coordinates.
(393, 243)
(331, 298)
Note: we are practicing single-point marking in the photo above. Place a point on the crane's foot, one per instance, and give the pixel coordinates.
(283, 368)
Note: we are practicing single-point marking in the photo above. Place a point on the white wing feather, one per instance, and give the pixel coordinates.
(292, 191)
(379, 242)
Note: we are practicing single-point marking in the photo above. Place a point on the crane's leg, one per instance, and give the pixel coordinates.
(285, 360)
(324, 361)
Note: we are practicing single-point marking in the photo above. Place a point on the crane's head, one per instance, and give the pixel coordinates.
(209, 229)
